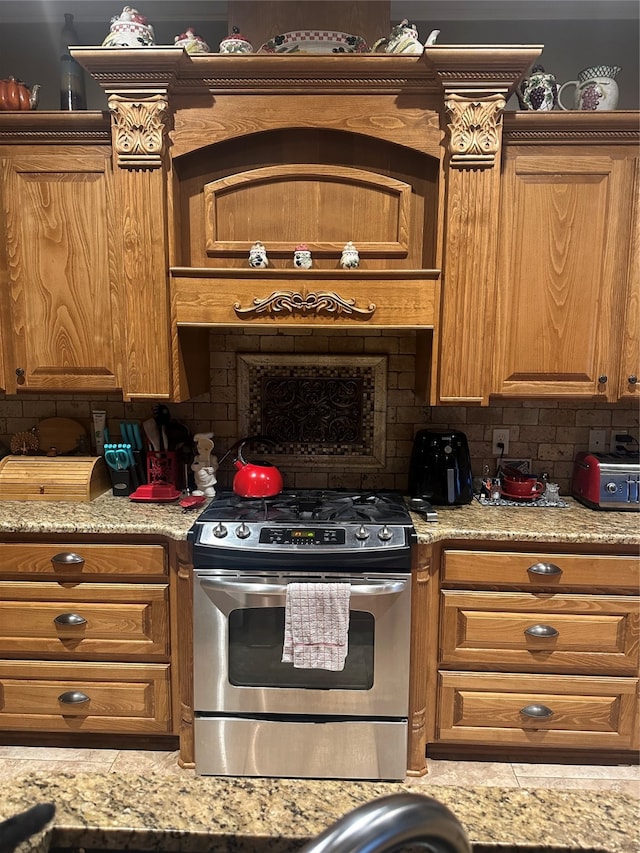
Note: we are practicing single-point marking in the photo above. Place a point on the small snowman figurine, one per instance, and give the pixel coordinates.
(302, 257)
(258, 256)
(350, 259)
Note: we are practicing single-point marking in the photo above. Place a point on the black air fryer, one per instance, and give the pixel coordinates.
(440, 468)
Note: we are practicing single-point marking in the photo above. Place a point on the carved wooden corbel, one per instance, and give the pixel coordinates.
(138, 131)
(475, 129)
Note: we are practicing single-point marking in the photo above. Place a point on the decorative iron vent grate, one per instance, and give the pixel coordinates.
(319, 410)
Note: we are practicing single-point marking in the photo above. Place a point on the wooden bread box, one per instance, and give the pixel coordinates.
(53, 478)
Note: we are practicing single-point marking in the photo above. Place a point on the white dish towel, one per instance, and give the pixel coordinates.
(316, 625)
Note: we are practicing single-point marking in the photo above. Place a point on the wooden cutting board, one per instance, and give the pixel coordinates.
(62, 433)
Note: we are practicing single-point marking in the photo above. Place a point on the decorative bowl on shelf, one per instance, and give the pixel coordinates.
(235, 43)
(191, 42)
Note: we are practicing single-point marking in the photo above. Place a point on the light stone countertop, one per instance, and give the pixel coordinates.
(198, 814)
(116, 515)
(572, 524)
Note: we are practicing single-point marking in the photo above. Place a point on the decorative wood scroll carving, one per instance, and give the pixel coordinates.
(138, 131)
(315, 302)
(475, 130)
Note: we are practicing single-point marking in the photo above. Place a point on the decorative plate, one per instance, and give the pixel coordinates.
(315, 41)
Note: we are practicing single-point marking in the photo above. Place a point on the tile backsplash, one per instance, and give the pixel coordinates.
(548, 432)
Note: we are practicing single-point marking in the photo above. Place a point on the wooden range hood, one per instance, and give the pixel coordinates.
(208, 148)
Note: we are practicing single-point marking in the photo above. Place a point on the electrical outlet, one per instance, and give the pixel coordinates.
(500, 436)
(616, 441)
(597, 440)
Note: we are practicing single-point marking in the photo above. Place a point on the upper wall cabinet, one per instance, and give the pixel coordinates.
(83, 269)
(58, 281)
(567, 291)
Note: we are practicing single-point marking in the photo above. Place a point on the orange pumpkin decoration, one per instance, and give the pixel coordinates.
(14, 95)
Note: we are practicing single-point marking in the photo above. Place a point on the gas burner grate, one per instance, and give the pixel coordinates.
(311, 505)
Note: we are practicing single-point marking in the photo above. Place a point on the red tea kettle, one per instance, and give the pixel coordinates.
(254, 480)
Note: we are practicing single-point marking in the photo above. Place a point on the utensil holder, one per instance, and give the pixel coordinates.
(162, 467)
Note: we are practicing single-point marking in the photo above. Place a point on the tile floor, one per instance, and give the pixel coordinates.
(17, 760)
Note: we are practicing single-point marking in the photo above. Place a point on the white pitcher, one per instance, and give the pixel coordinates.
(595, 89)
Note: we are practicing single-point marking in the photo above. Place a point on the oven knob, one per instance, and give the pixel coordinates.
(243, 532)
(611, 488)
(219, 531)
(362, 532)
(385, 534)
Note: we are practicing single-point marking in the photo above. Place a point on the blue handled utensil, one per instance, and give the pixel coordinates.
(125, 432)
(136, 435)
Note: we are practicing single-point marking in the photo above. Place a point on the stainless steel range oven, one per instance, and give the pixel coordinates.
(258, 716)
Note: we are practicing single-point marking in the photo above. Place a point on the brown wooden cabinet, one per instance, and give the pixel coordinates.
(60, 321)
(567, 286)
(629, 370)
(538, 649)
(86, 639)
(509, 241)
(210, 157)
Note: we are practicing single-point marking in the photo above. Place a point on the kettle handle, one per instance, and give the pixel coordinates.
(263, 438)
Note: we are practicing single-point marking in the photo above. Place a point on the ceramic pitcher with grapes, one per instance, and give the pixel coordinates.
(539, 91)
(595, 89)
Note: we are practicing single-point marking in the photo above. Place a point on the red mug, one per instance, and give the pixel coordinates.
(528, 487)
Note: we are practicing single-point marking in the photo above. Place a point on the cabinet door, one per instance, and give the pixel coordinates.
(63, 324)
(561, 284)
(630, 333)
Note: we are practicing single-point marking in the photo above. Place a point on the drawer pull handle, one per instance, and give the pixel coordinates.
(67, 558)
(545, 569)
(73, 697)
(537, 712)
(541, 631)
(70, 619)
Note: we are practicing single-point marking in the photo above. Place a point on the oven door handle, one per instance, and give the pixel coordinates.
(383, 588)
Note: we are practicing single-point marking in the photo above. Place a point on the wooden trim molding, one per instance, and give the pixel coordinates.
(54, 128)
(619, 127)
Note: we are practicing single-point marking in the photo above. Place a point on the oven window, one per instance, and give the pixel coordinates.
(256, 636)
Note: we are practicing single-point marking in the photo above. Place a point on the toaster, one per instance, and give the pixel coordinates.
(607, 480)
(440, 468)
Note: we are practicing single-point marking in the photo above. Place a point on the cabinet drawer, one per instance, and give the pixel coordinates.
(75, 559)
(531, 570)
(85, 620)
(540, 632)
(489, 708)
(118, 698)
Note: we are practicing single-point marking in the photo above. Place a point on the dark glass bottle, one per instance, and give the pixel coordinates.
(72, 90)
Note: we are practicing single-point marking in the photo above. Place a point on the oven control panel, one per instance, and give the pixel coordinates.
(302, 536)
(252, 538)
